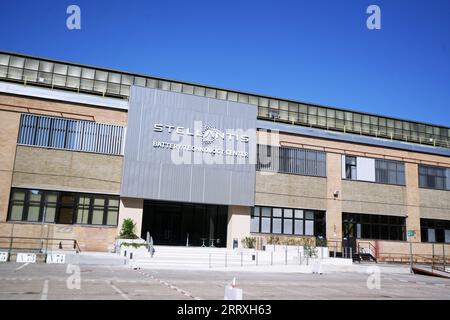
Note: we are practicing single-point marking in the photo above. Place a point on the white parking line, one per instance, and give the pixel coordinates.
(45, 291)
(22, 266)
(118, 290)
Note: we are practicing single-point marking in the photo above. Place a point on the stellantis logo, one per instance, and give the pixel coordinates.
(208, 133)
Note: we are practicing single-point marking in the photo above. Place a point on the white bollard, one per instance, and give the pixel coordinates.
(231, 292)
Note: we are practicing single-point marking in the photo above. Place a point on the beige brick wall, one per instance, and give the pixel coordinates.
(67, 170)
(238, 224)
(22, 104)
(11, 107)
(9, 126)
(373, 198)
(434, 204)
(89, 238)
(287, 190)
(355, 196)
(131, 208)
(334, 204)
(412, 198)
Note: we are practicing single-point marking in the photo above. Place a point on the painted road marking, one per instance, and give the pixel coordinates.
(118, 290)
(22, 266)
(45, 291)
(183, 292)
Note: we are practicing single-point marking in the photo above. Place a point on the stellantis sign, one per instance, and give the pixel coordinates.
(207, 137)
(188, 148)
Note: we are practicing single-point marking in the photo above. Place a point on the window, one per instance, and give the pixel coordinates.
(62, 207)
(287, 221)
(350, 168)
(434, 177)
(255, 220)
(433, 230)
(69, 134)
(390, 172)
(377, 227)
(291, 160)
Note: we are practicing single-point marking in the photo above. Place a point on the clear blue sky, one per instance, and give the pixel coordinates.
(315, 51)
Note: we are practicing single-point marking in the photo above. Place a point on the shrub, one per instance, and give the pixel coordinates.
(309, 247)
(249, 242)
(127, 231)
(321, 242)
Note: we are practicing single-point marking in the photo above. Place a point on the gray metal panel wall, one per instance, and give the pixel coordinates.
(150, 172)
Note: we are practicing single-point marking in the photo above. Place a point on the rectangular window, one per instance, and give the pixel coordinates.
(389, 172)
(291, 160)
(61, 133)
(434, 230)
(255, 220)
(62, 207)
(288, 221)
(433, 177)
(350, 167)
(377, 227)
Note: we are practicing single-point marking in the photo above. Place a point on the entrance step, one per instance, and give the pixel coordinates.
(185, 257)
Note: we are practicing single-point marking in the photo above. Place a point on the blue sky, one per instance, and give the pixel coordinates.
(315, 51)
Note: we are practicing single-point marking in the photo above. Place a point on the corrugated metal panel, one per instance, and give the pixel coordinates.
(152, 173)
(60, 133)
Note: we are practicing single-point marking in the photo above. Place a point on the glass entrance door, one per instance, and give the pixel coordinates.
(179, 224)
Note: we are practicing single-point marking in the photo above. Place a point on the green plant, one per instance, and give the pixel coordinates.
(127, 231)
(249, 242)
(309, 247)
(321, 242)
(133, 244)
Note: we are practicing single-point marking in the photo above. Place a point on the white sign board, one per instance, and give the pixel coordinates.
(56, 258)
(26, 257)
(3, 256)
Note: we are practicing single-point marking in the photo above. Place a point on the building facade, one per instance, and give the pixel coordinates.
(83, 148)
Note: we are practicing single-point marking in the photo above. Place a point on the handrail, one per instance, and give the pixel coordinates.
(39, 246)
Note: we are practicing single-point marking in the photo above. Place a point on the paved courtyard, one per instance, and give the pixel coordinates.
(45, 281)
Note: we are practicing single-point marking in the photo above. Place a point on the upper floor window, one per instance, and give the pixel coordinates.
(350, 168)
(70, 134)
(390, 172)
(373, 170)
(291, 160)
(434, 177)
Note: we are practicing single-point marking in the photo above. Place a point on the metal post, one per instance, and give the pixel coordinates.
(210, 260)
(46, 244)
(351, 253)
(242, 259)
(271, 258)
(432, 256)
(285, 255)
(256, 257)
(307, 259)
(335, 249)
(410, 258)
(443, 254)
(11, 242)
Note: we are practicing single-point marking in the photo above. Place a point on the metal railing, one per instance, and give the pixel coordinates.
(35, 244)
(99, 81)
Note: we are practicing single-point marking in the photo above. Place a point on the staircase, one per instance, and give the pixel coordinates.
(205, 258)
